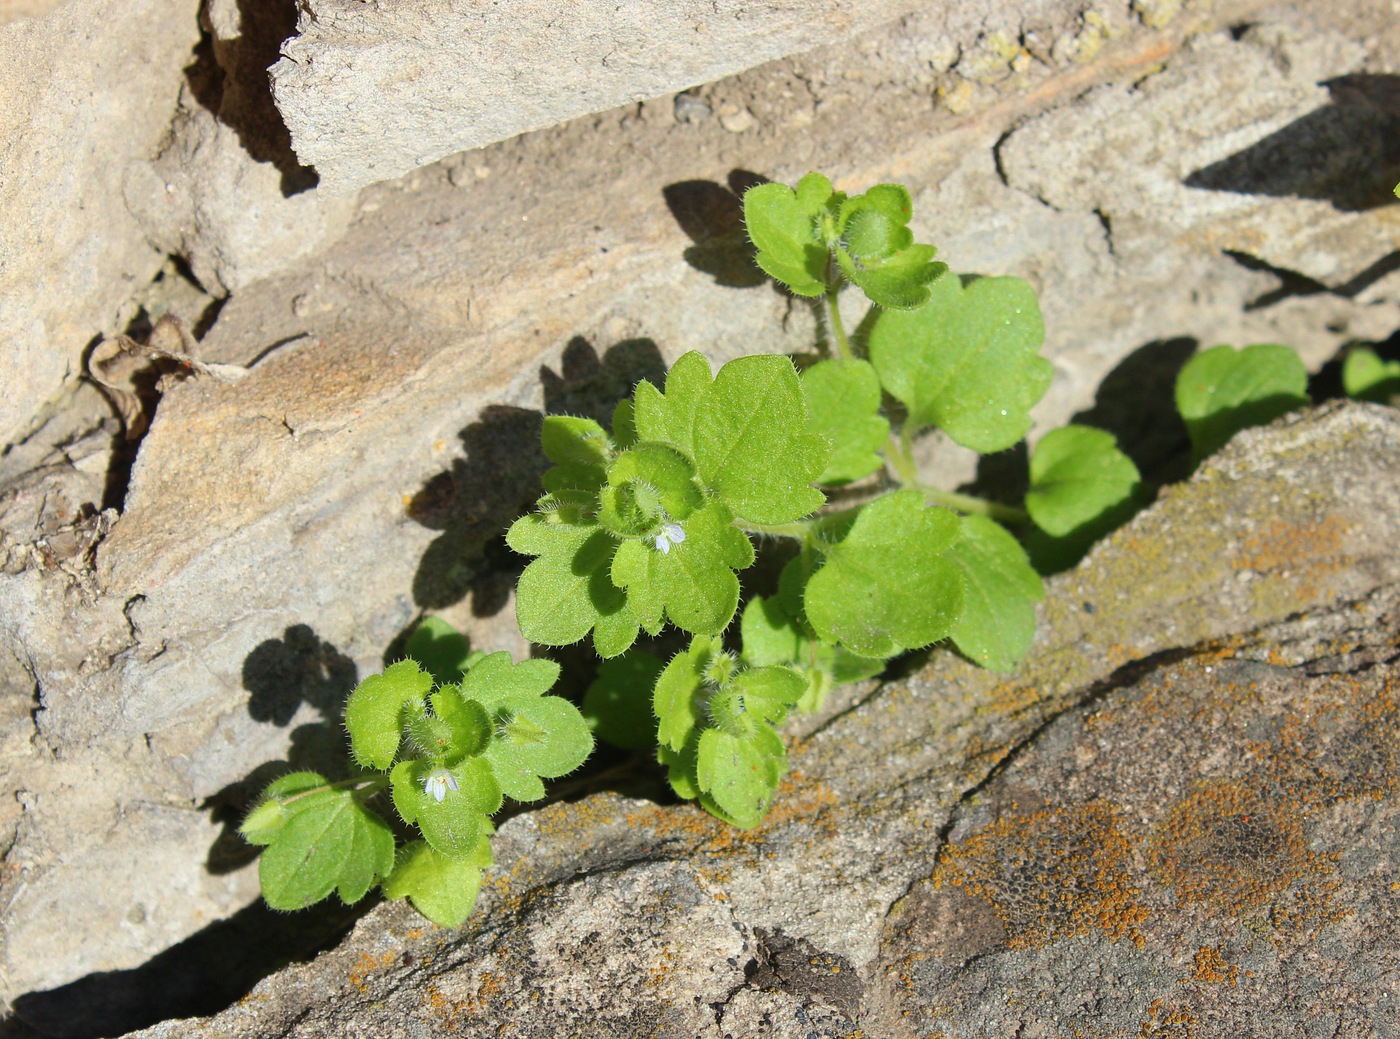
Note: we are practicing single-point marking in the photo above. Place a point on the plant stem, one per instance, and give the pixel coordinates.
(356, 783)
(838, 330)
(974, 506)
(900, 456)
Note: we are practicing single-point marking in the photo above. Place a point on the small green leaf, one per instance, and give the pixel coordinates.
(1077, 476)
(617, 705)
(843, 405)
(680, 767)
(497, 681)
(268, 815)
(646, 486)
(450, 805)
(675, 699)
(967, 360)
(1221, 391)
(876, 249)
(441, 888)
(441, 650)
(669, 418)
(772, 635)
(887, 585)
(1365, 376)
(740, 774)
(750, 445)
(537, 738)
(783, 225)
(998, 618)
(580, 450)
(567, 590)
(374, 713)
(328, 841)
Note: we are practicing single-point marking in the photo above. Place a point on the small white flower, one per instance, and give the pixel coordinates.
(436, 784)
(670, 534)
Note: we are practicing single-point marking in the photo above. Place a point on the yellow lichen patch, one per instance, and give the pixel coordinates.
(1230, 846)
(1209, 965)
(1052, 874)
(1012, 698)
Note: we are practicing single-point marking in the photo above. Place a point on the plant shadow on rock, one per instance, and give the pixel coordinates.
(1346, 152)
(216, 966)
(474, 502)
(712, 216)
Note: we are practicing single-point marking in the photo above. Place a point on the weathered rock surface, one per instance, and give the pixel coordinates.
(373, 91)
(84, 89)
(279, 532)
(1180, 817)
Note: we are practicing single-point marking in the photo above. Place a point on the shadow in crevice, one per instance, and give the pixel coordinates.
(1346, 152)
(229, 77)
(1293, 283)
(712, 216)
(474, 502)
(211, 969)
(200, 976)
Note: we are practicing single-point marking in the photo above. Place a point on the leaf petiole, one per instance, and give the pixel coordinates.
(838, 330)
(355, 784)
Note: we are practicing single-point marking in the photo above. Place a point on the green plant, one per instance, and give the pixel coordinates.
(443, 746)
(648, 525)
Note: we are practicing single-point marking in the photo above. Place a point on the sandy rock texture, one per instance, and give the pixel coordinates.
(84, 89)
(1180, 815)
(373, 91)
(177, 613)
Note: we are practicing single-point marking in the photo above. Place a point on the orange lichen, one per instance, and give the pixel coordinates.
(1209, 965)
(1167, 1022)
(1232, 846)
(366, 966)
(1050, 875)
(1302, 552)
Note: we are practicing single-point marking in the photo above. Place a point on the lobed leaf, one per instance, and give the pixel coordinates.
(843, 405)
(966, 361)
(750, 444)
(693, 583)
(1077, 476)
(887, 585)
(740, 774)
(783, 225)
(669, 418)
(442, 888)
(580, 450)
(997, 622)
(1221, 391)
(567, 591)
(537, 739)
(327, 842)
(675, 699)
(374, 713)
(455, 824)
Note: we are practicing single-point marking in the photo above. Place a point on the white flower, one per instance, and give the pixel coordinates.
(670, 534)
(436, 784)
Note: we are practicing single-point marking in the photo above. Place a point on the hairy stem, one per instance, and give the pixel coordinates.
(354, 783)
(838, 330)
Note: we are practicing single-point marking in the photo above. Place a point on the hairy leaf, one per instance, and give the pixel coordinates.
(539, 738)
(374, 713)
(327, 842)
(441, 888)
(750, 445)
(567, 591)
(580, 450)
(967, 360)
(843, 405)
(887, 585)
(456, 822)
(668, 418)
(783, 225)
(997, 623)
(741, 774)
(675, 699)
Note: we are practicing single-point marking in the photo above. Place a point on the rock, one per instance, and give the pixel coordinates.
(88, 87)
(373, 92)
(1180, 811)
(225, 191)
(278, 534)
